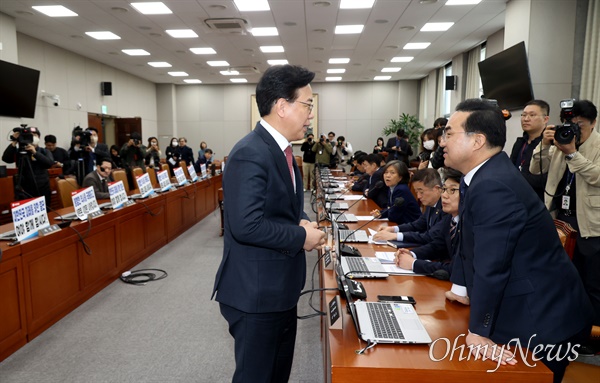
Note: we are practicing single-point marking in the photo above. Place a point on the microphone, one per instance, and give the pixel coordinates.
(351, 251)
(331, 210)
(378, 185)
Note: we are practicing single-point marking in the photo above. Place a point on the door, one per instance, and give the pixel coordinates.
(125, 126)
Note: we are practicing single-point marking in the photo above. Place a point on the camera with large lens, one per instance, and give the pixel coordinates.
(136, 142)
(84, 136)
(25, 135)
(564, 134)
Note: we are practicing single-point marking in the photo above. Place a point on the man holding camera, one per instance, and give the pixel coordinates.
(343, 152)
(323, 151)
(571, 159)
(84, 148)
(32, 161)
(308, 162)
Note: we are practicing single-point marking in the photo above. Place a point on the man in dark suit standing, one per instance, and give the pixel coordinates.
(398, 148)
(100, 178)
(520, 281)
(266, 230)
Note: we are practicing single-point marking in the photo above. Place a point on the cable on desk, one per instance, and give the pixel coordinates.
(370, 344)
(150, 211)
(312, 290)
(142, 276)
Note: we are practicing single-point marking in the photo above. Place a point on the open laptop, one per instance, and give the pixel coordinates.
(348, 235)
(8, 236)
(345, 217)
(337, 205)
(68, 217)
(379, 322)
(358, 267)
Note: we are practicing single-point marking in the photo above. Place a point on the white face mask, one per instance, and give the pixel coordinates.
(36, 140)
(428, 145)
(94, 139)
(174, 143)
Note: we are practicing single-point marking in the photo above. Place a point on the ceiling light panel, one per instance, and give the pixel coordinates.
(272, 49)
(333, 79)
(336, 70)
(181, 33)
(238, 80)
(152, 8)
(192, 81)
(381, 78)
(356, 4)
(416, 45)
(160, 64)
(252, 5)
(103, 35)
(391, 69)
(178, 74)
(135, 52)
(402, 59)
(277, 62)
(339, 61)
(348, 29)
(55, 11)
(217, 63)
(436, 27)
(463, 2)
(203, 51)
(229, 72)
(267, 31)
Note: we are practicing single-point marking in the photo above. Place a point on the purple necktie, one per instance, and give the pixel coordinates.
(288, 157)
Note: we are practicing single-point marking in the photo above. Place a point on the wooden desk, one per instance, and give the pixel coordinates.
(43, 279)
(411, 363)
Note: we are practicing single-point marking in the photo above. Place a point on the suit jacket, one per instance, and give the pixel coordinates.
(519, 279)
(401, 154)
(378, 195)
(537, 181)
(438, 253)
(264, 267)
(186, 154)
(408, 212)
(100, 188)
(426, 227)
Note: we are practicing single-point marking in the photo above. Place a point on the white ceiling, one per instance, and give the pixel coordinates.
(306, 30)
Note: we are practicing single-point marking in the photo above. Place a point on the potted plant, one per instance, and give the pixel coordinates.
(411, 126)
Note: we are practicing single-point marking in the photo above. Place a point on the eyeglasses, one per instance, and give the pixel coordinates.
(450, 191)
(448, 134)
(310, 106)
(532, 116)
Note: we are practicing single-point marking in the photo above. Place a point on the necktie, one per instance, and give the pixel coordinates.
(453, 225)
(463, 192)
(288, 157)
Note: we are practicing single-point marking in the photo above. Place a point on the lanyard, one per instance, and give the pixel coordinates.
(570, 178)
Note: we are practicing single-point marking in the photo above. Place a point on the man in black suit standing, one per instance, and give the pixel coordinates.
(519, 279)
(266, 230)
(100, 178)
(398, 148)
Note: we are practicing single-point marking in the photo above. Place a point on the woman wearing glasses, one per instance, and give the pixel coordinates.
(400, 205)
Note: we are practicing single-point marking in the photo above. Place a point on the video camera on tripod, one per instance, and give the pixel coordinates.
(82, 137)
(25, 136)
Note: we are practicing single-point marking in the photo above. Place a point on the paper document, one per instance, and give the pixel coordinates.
(353, 197)
(377, 242)
(386, 257)
(368, 218)
(393, 269)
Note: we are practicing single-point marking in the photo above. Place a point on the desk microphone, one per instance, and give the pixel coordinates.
(378, 185)
(351, 251)
(331, 210)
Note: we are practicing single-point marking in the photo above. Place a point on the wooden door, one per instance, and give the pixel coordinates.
(124, 127)
(95, 121)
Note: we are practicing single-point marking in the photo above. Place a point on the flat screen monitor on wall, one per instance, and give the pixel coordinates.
(19, 90)
(505, 78)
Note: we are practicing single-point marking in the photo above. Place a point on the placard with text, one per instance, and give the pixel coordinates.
(84, 202)
(180, 176)
(163, 180)
(144, 185)
(193, 175)
(203, 171)
(118, 195)
(29, 216)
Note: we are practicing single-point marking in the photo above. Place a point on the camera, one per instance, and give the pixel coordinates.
(564, 134)
(136, 142)
(25, 135)
(56, 100)
(84, 137)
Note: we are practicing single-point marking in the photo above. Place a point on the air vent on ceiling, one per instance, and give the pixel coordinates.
(245, 69)
(228, 26)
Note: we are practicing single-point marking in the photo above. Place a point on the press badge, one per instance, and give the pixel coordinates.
(320, 152)
(566, 202)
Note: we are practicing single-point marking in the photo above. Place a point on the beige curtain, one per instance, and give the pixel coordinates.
(440, 89)
(472, 81)
(590, 78)
(423, 99)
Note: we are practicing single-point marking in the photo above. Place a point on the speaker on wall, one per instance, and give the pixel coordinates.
(106, 88)
(451, 82)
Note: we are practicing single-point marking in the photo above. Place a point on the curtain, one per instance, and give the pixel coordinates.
(590, 77)
(440, 89)
(472, 81)
(423, 116)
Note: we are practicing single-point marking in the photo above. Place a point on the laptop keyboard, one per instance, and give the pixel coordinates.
(357, 264)
(385, 325)
(346, 236)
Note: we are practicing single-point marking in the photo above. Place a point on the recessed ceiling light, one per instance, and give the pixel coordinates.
(381, 21)
(381, 78)
(348, 29)
(356, 4)
(178, 74)
(416, 45)
(181, 33)
(252, 5)
(160, 64)
(321, 4)
(271, 49)
(229, 72)
(54, 10)
(267, 31)
(203, 51)
(152, 8)
(103, 35)
(436, 27)
(462, 2)
(290, 24)
(336, 70)
(192, 81)
(277, 62)
(238, 80)
(391, 69)
(333, 78)
(407, 28)
(339, 61)
(135, 52)
(217, 63)
(402, 59)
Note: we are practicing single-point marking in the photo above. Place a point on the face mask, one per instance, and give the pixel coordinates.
(36, 140)
(174, 143)
(153, 143)
(93, 139)
(428, 145)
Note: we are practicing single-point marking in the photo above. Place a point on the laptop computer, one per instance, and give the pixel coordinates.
(358, 267)
(68, 217)
(354, 236)
(346, 217)
(337, 205)
(8, 236)
(380, 322)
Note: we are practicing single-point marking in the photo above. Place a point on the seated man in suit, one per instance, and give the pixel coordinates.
(363, 177)
(374, 189)
(437, 254)
(428, 185)
(206, 159)
(100, 178)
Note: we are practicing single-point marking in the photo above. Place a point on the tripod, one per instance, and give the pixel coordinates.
(24, 164)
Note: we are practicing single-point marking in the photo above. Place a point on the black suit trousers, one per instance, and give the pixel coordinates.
(264, 344)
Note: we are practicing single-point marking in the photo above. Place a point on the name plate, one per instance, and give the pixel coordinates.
(334, 314)
(193, 175)
(163, 180)
(29, 216)
(118, 196)
(203, 171)
(222, 166)
(180, 176)
(144, 185)
(84, 202)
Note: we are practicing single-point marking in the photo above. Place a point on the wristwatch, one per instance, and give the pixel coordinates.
(570, 156)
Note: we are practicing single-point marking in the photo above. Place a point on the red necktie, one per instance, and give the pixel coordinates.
(288, 157)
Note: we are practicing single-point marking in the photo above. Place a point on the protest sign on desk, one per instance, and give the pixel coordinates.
(180, 175)
(144, 185)
(192, 171)
(118, 196)
(163, 180)
(29, 216)
(84, 202)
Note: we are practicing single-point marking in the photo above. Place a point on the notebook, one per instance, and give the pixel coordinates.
(357, 267)
(384, 322)
(337, 205)
(346, 217)
(353, 236)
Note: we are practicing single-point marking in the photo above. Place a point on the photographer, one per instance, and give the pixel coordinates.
(308, 162)
(84, 147)
(60, 155)
(323, 151)
(153, 153)
(343, 153)
(32, 161)
(133, 154)
(573, 187)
